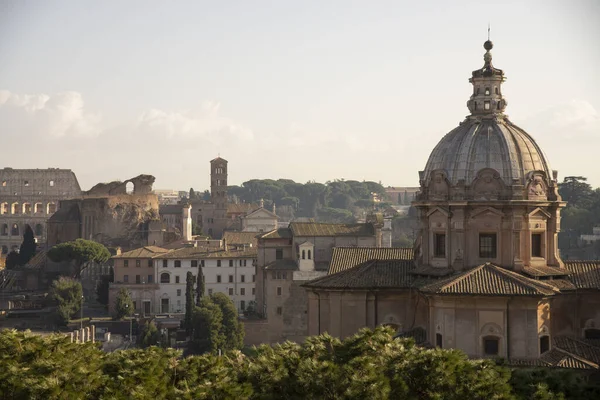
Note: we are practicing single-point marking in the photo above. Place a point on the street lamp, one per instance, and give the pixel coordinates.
(130, 323)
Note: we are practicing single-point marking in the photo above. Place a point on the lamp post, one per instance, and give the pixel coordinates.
(130, 323)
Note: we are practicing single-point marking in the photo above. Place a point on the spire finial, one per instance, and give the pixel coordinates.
(488, 31)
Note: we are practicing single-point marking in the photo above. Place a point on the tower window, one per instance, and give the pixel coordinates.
(496, 89)
(439, 245)
(486, 105)
(477, 91)
(544, 344)
(487, 91)
(487, 245)
(499, 105)
(536, 245)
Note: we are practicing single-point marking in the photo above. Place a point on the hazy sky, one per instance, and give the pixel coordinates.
(285, 89)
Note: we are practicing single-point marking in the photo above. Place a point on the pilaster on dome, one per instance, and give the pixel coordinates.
(487, 99)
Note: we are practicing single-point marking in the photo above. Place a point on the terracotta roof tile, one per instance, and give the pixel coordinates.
(323, 229)
(545, 271)
(380, 274)
(240, 238)
(206, 253)
(37, 262)
(489, 279)
(281, 233)
(579, 348)
(241, 208)
(343, 258)
(143, 252)
(585, 274)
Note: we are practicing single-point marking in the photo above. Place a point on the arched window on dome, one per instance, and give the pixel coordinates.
(487, 91)
(499, 105)
(496, 89)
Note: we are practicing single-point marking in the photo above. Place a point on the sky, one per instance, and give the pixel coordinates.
(310, 90)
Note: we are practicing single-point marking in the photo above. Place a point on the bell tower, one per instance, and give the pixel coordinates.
(218, 182)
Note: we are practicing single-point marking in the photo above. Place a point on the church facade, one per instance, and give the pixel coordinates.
(485, 275)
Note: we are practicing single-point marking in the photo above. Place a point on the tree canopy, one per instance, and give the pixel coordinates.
(368, 365)
(80, 251)
(67, 295)
(123, 305)
(28, 246)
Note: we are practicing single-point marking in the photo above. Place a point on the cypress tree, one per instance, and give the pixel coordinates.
(189, 302)
(27, 250)
(200, 285)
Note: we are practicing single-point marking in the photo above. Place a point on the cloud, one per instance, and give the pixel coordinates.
(569, 120)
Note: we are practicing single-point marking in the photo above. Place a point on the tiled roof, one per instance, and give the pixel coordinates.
(545, 271)
(322, 229)
(143, 252)
(282, 264)
(343, 258)
(585, 274)
(281, 233)
(384, 274)
(561, 284)
(241, 238)
(489, 279)
(241, 208)
(37, 262)
(206, 253)
(579, 348)
(432, 271)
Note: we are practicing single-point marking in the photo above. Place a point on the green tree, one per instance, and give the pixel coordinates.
(192, 194)
(231, 329)
(102, 288)
(28, 246)
(200, 287)
(189, 303)
(123, 304)
(207, 335)
(149, 336)
(82, 252)
(67, 295)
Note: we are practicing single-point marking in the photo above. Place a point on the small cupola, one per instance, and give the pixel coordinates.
(487, 99)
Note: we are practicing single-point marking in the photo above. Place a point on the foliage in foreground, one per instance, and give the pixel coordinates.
(369, 365)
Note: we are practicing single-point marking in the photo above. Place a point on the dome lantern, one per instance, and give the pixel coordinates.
(487, 99)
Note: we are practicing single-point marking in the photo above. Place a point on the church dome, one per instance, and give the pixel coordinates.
(487, 141)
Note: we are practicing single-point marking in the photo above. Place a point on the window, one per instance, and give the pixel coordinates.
(309, 255)
(304, 254)
(240, 263)
(245, 262)
(273, 275)
(178, 292)
(242, 291)
(51, 183)
(278, 290)
(243, 305)
(177, 279)
(496, 89)
(231, 291)
(138, 263)
(126, 263)
(165, 263)
(165, 278)
(279, 310)
(487, 91)
(475, 105)
(438, 340)
(14, 231)
(486, 105)
(499, 105)
(439, 245)
(477, 91)
(253, 291)
(202, 263)
(138, 279)
(231, 263)
(150, 278)
(194, 263)
(278, 275)
(210, 292)
(487, 245)
(218, 263)
(242, 278)
(230, 278)
(279, 254)
(491, 346)
(126, 278)
(4, 230)
(218, 278)
(177, 263)
(544, 344)
(253, 278)
(536, 245)
(150, 263)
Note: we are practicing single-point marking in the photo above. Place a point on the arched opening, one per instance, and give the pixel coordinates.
(26, 208)
(4, 230)
(51, 183)
(496, 89)
(39, 208)
(51, 208)
(129, 188)
(439, 340)
(39, 230)
(165, 278)
(309, 255)
(592, 333)
(15, 208)
(4, 208)
(544, 344)
(491, 345)
(4, 249)
(487, 91)
(14, 230)
(303, 254)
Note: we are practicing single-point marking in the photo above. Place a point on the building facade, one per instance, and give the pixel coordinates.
(31, 197)
(486, 276)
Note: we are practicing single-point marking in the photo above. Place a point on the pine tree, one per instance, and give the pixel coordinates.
(232, 329)
(28, 247)
(189, 302)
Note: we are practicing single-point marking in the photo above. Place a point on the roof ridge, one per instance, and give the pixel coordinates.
(459, 278)
(523, 279)
(575, 356)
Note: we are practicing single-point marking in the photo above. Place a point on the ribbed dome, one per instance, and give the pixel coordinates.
(487, 143)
